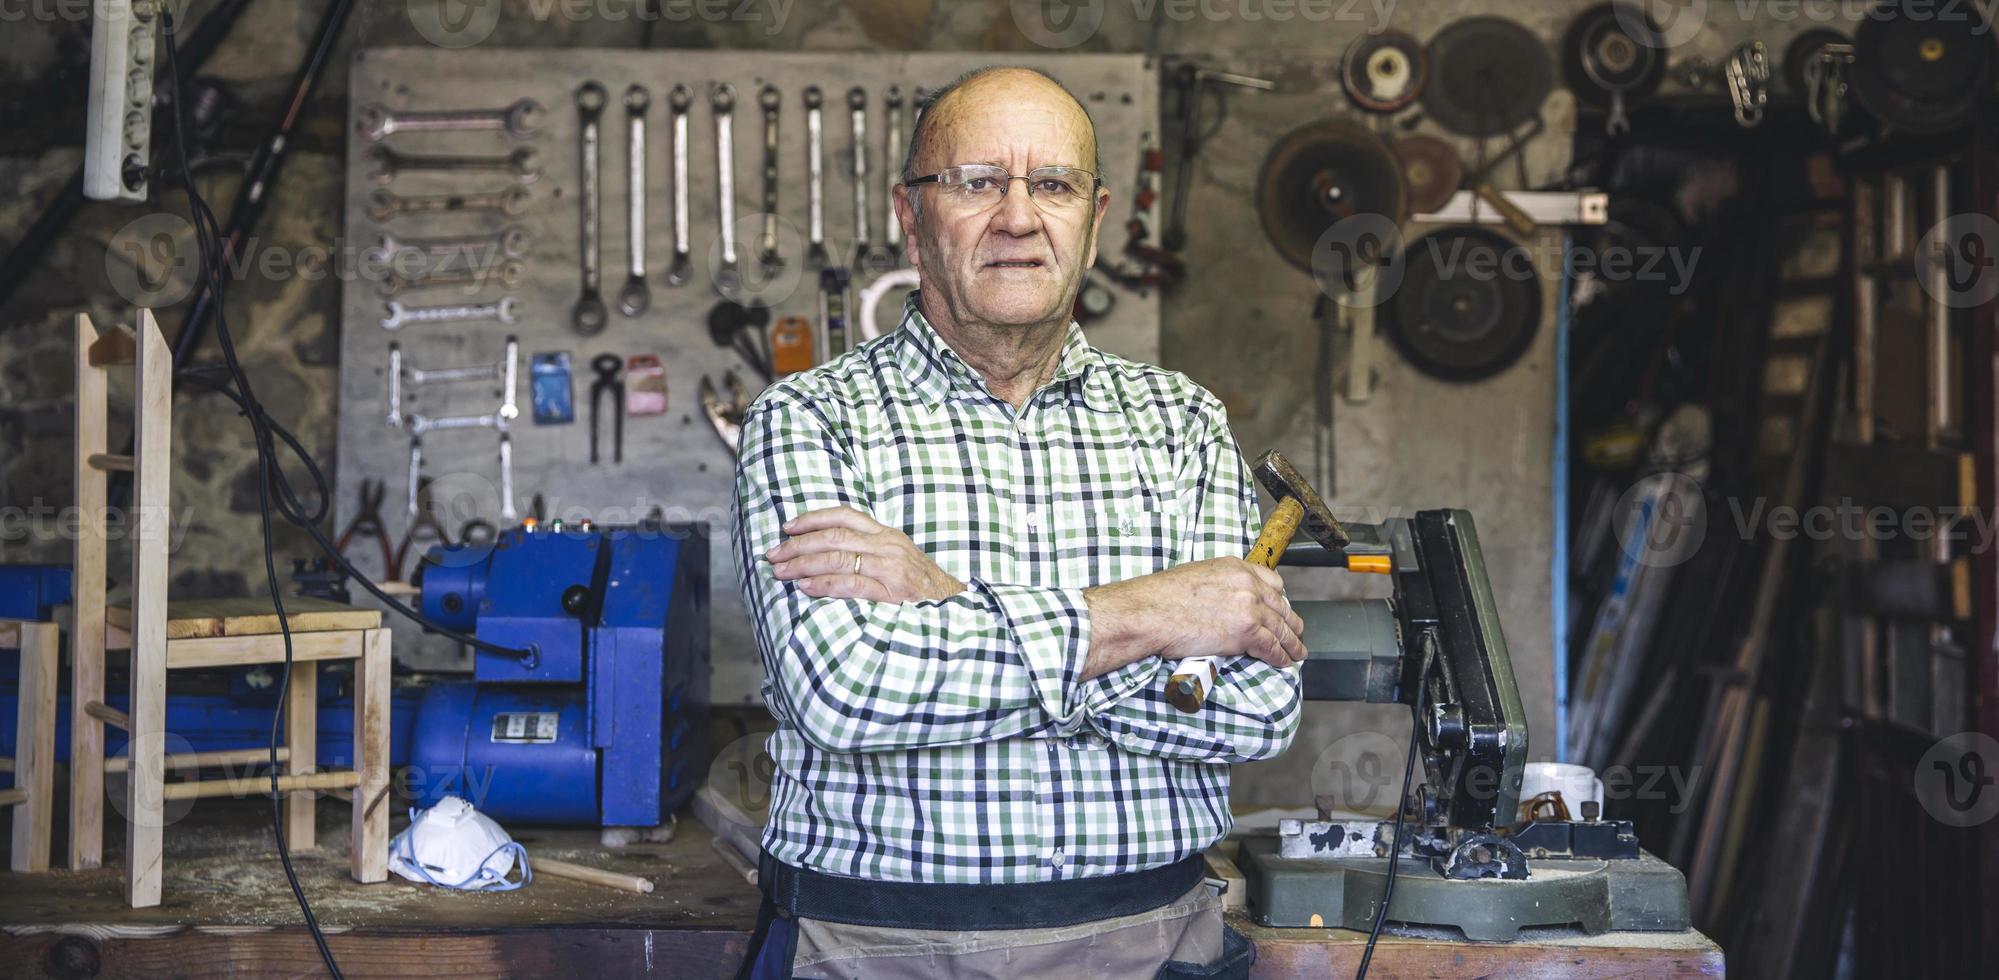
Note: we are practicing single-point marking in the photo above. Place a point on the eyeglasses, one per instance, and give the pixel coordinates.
(978, 186)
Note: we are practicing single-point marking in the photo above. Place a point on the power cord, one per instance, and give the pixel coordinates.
(1395, 855)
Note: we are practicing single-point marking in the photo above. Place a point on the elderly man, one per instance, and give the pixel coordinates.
(973, 549)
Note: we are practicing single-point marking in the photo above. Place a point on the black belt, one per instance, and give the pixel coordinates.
(805, 893)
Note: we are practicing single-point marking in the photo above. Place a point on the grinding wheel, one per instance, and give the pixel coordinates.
(1431, 169)
(1320, 174)
(1921, 72)
(1604, 60)
(1487, 76)
(1385, 72)
(1469, 304)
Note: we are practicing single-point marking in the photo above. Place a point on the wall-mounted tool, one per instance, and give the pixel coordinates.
(1920, 70)
(740, 328)
(1817, 66)
(1431, 169)
(1321, 174)
(389, 163)
(504, 371)
(551, 390)
(679, 101)
(1612, 57)
(636, 296)
(1194, 84)
(815, 188)
(589, 316)
(507, 512)
(1748, 74)
(506, 310)
(790, 345)
(376, 121)
(645, 386)
(368, 524)
(435, 254)
(834, 286)
(868, 256)
(507, 275)
(722, 99)
(892, 172)
(512, 202)
(1469, 304)
(725, 411)
(1385, 72)
(424, 529)
(1487, 76)
(609, 369)
(767, 256)
(1479, 180)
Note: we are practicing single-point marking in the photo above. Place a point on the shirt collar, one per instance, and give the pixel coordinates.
(936, 372)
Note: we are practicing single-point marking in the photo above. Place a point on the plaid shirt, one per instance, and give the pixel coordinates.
(955, 740)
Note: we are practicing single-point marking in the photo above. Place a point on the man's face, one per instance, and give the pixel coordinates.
(1018, 262)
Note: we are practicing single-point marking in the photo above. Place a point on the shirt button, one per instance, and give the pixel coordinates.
(1059, 859)
(1033, 519)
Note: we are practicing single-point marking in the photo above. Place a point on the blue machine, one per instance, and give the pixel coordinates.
(604, 719)
(33, 591)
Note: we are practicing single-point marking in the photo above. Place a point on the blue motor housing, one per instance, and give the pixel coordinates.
(600, 714)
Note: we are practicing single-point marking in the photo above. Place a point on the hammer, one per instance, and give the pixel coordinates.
(1298, 508)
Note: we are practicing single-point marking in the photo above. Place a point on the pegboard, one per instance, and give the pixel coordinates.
(674, 461)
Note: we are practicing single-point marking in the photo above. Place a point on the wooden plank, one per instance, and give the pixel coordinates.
(118, 347)
(302, 735)
(110, 461)
(152, 424)
(86, 639)
(204, 760)
(10, 634)
(368, 836)
(14, 796)
(233, 651)
(35, 747)
(259, 785)
(1235, 893)
(108, 715)
(254, 616)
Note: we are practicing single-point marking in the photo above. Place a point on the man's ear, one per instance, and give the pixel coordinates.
(905, 214)
(1097, 224)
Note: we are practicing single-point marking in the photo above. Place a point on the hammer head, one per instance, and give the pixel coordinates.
(1282, 480)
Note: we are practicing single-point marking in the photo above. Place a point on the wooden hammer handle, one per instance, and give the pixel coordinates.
(1277, 533)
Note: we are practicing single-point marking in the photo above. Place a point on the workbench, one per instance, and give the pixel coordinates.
(227, 910)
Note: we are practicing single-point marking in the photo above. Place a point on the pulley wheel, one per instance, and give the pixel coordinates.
(1323, 173)
(1469, 304)
(1487, 76)
(1921, 72)
(1602, 55)
(1385, 72)
(1432, 169)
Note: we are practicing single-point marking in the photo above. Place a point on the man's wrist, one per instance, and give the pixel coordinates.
(1116, 636)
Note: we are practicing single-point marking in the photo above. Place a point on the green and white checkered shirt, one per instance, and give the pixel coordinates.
(954, 740)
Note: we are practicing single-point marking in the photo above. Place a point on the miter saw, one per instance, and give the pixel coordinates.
(1468, 858)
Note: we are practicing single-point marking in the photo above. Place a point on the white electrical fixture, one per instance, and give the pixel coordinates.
(118, 135)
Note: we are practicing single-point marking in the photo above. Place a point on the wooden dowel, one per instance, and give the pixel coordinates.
(19, 794)
(196, 760)
(254, 785)
(108, 715)
(594, 876)
(110, 461)
(734, 860)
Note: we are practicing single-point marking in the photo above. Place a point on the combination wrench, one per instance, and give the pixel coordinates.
(378, 121)
(679, 100)
(506, 371)
(589, 316)
(636, 296)
(769, 99)
(506, 310)
(389, 163)
(867, 255)
(383, 205)
(727, 278)
(891, 169)
(815, 254)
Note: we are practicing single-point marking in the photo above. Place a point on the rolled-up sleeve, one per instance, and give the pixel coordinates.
(995, 661)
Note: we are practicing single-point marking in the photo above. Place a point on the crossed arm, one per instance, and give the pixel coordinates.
(868, 645)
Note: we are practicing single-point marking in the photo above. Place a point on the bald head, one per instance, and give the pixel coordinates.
(960, 104)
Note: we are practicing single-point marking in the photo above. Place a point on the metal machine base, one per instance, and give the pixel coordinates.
(1645, 895)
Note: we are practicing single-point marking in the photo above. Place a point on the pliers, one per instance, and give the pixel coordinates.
(369, 523)
(425, 521)
(725, 415)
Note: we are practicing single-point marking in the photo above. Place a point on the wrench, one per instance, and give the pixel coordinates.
(511, 243)
(723, 99)
(383, 205)
(679, 100)
(389, 163)
(378, 121)
(767, 242)
(891, 164)
(815, 255)
(507, 512)
(506, 371)
(636, 296)
(589, 316)
(508, 275)
(507, 310)
(857, 105)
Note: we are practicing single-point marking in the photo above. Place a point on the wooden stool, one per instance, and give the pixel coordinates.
(34, 762)
(213, 633)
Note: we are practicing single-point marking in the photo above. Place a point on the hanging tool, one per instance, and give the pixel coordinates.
(679, 100)
(1385, 72)
(1479, 179)
(867, 255)
(1431, 169)
(1194, 83)
(1321, 174)
(610, 381)
(367, 523)
(1488, 75)
(1923, 68)
(741, 328)
(772, 262)
(891, 172)
(375, 121)
(1748, 73)
(728, 279)
(1460, 313)
(834, 284)
(725, 414)
(645, 385)
(589, 316)
(1612, 57)
(1817, 65)
(636, 296)
(815, 162)
(425, 527)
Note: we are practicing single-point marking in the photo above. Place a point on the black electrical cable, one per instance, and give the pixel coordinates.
(1395, 855)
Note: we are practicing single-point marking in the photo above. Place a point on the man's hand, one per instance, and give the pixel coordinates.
(1216, 607)
(841, 553)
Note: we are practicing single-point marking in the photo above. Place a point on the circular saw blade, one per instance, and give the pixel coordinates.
(1320, 174)
(1487, 76)
(1469, 304)
(1385, 72)
(1432, 170)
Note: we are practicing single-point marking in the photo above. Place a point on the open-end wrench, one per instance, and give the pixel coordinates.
(723, 100)
(679, 100)
(508, 274)
(769, 99)
(891, 169)
(510, 243)
(378, 121)
(416, 469)
(857, 106)
(507, 310)
(389, 163)
(636, 295)
(589, 316)
(383, 205)
(507, 511)
(815, 163)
